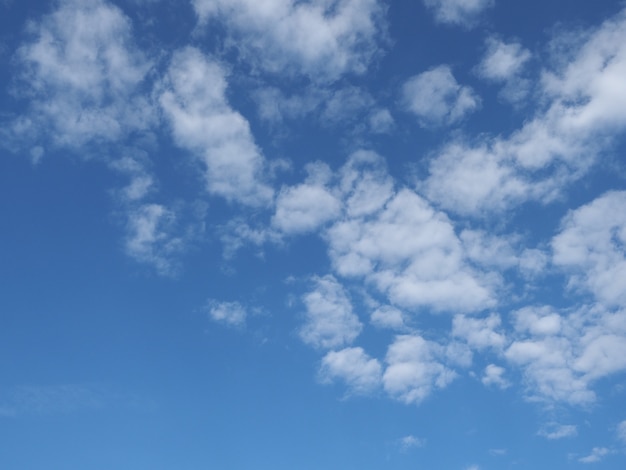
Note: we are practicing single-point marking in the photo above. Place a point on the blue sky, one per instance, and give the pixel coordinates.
(317, 234)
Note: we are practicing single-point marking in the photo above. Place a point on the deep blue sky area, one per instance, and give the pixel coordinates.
(318, 234)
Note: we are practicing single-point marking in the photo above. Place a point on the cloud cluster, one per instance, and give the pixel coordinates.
(437, 99)
(317, 38)
(458, 12)
(585, 110)
(83, 77)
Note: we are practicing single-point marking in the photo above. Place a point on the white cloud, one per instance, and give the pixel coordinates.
(437, 99)
(410, 252)
(597, 454)
(502, 61)
(555, 431)
(388, 317)
(458, 12)
(330, 322)
(361, 373)
(202, 121)
(563, 355)
(151, 237)
(306, 207)
(228, 313)
(414, 369)
(317, 38)
(479, 333)
(585, 109)
(81, 73)
(493, 376)
(591, 247)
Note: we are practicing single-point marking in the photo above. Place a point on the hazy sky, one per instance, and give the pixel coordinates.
(312, 234)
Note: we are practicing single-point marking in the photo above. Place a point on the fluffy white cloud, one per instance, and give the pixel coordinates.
(317, 38)
(493, 376)
(414, 369)
(554, 431)
(591, 247)
(586, 108)
(502, 61)
(597, 454)
(81, 73)
(410, 252)
(361, 373)
(388, 317)
(458, 12)
(436, 97)
(306, 207)
(202, 121)
(563, 355)
(228, 313)
(330, 322)
(479, 333)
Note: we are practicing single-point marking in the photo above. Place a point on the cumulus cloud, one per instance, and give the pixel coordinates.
(555, 431)
(563, 355)
(228, 313)
(458, 12)
(591, 248)
(307, 206)
(504, 63)
(320, 39)
(202, 121)
(585, 109)
(494, 376)
(415, 368)
(437, 99)
(388, 317)
(410, 252)
(479, 333)
(361, 373)
(81, 74)
(597, 454)
(330, 321)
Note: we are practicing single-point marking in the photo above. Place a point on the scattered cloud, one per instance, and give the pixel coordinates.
(493, 376)
(361, 373)
(203, 122)
(414, 369)
(585, 110)
(555, 431)
(330, 321)
(320, 39)
(411, 442)
(591, 249)
(228, 313)
(306, 207)
(504, 63)
(81, 75)
(597, 454)
(437, 99)
(151, 237)
(458, 12)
